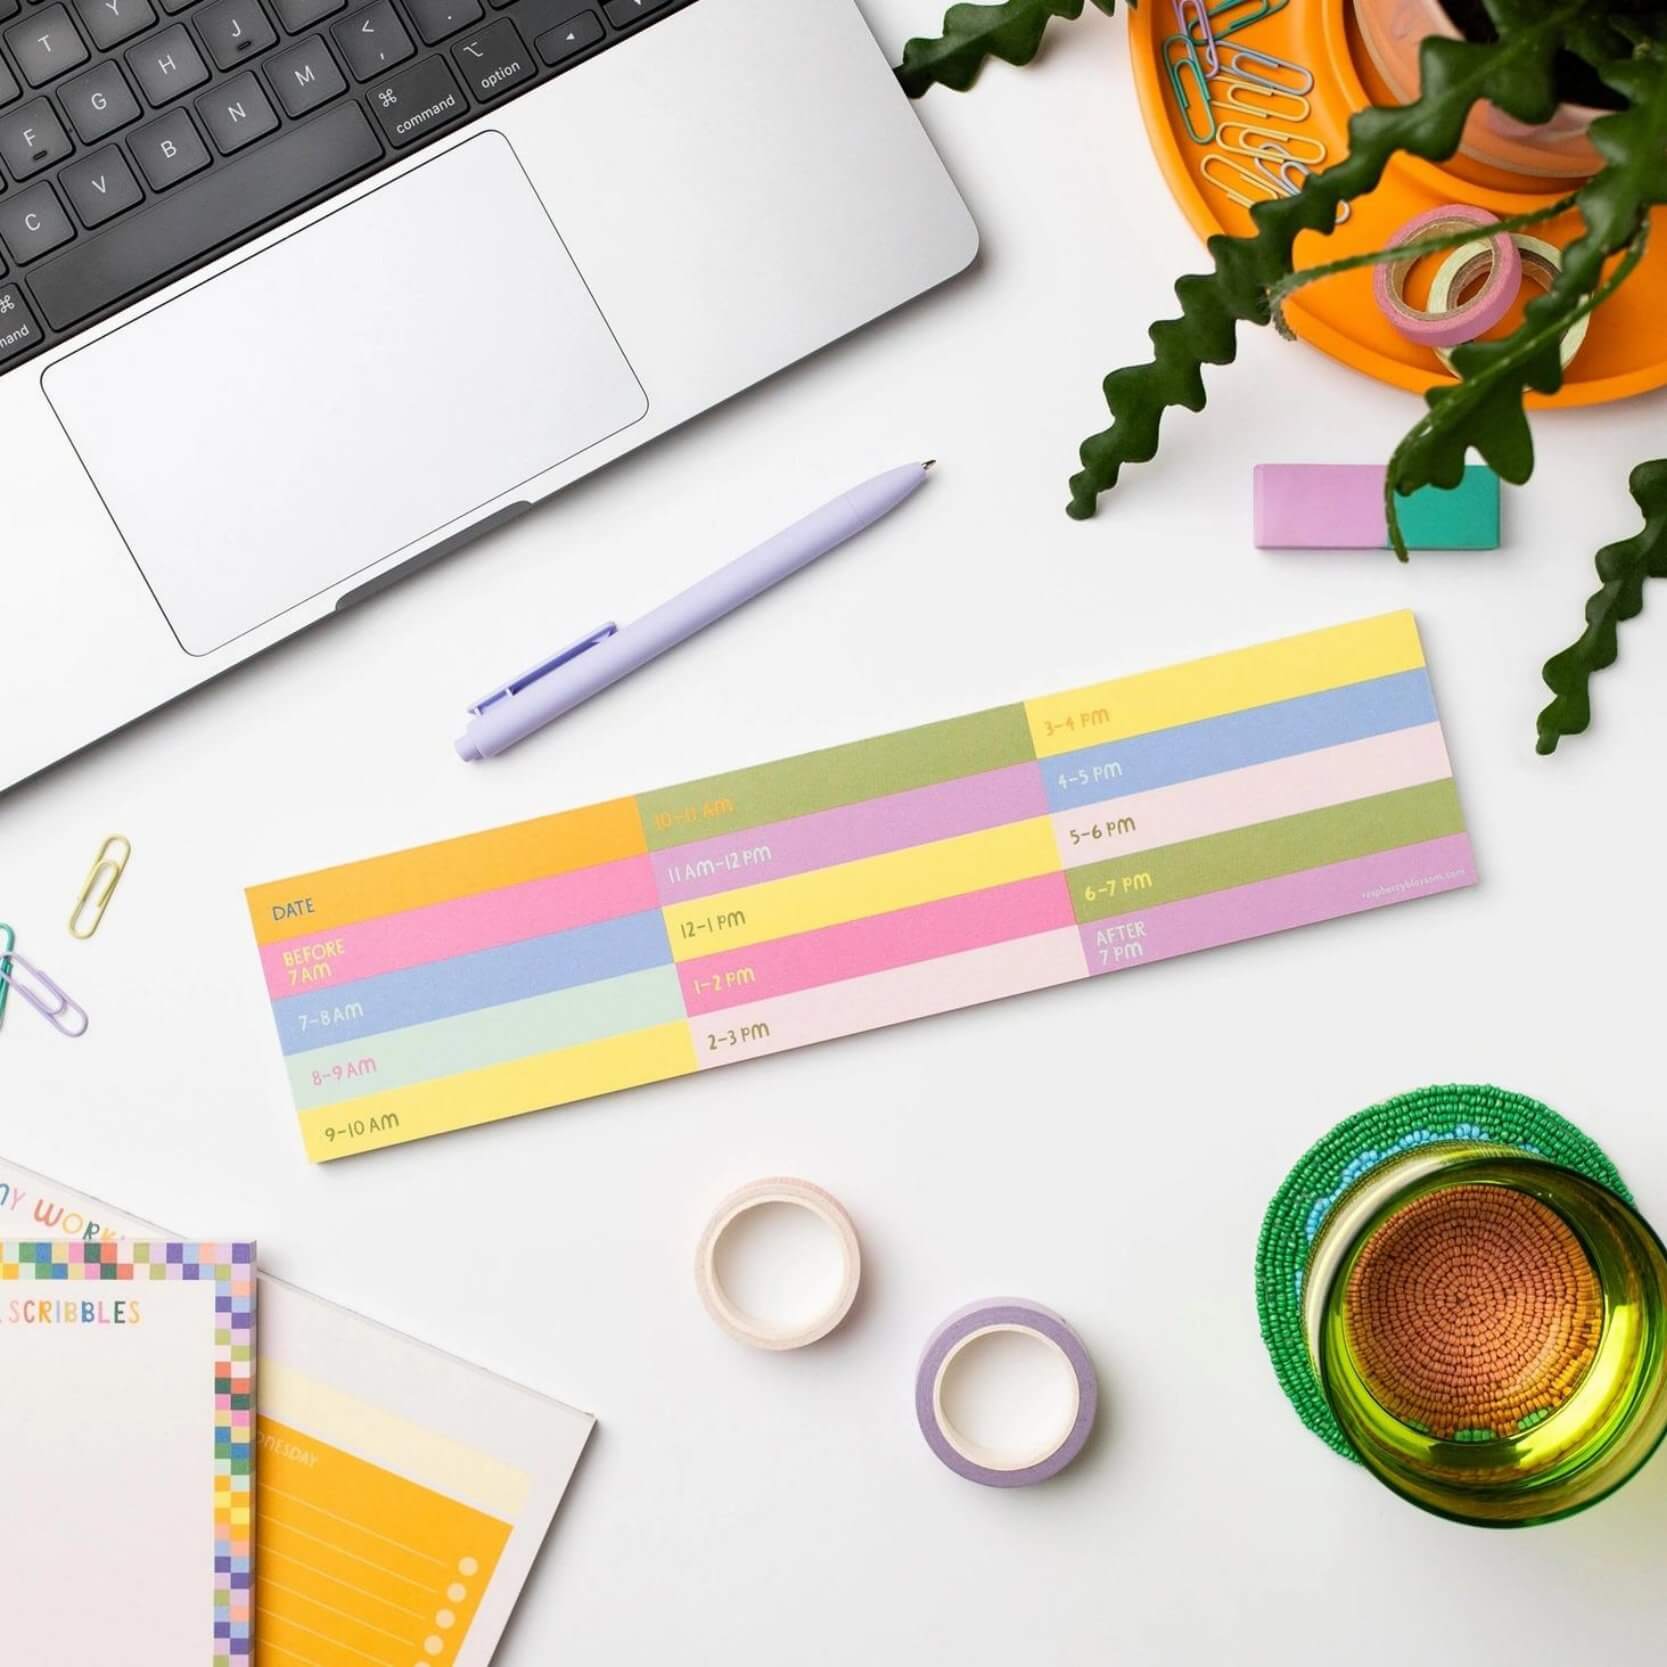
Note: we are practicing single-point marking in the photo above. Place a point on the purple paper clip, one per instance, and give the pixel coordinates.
(1188, 12)
(50, 1000)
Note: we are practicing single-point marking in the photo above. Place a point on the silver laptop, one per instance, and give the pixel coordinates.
(298, 295)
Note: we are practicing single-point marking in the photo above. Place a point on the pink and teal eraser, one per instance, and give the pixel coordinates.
(1339, 506)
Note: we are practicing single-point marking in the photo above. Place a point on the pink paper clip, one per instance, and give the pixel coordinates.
(50, 1000)
(1189, 12)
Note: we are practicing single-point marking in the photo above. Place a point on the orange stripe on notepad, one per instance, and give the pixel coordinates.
(452, 868)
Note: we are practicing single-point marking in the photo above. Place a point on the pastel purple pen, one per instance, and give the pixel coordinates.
(585, 668)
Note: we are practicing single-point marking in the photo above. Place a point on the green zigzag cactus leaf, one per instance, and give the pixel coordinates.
(1515, 73)
(1622, 570)
(974, 34)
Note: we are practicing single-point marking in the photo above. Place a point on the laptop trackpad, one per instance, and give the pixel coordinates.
(344, 394)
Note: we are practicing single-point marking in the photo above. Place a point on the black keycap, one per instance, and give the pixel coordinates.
(623, 13)
(569, 39)
(110, 22)
(32, 138)
(174, 7)
(33, 223)
(167, 66)
(229, 202)
(9, 88)
(234, 30)
(169, 150)
(236, 113)
(494, 61)
(46, 45)
(18, 331)
(296, 15)
(9, 8)
(435, 19)
(100, 186)
(373, 40)
(305, 76)
(99, 102)
(416, 101)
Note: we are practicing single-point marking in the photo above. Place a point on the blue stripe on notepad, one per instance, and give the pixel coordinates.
(1257, 735)
(467, 983)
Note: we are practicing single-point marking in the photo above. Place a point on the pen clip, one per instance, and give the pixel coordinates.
(544, 667)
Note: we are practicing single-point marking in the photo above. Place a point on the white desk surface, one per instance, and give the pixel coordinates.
(1107, 1149)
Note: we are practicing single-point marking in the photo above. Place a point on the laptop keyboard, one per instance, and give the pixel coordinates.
(139, 139)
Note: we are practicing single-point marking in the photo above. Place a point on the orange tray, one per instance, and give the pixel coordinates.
(1625, 351)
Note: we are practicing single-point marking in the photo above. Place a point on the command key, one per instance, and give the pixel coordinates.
(416, 101)
(18, 330)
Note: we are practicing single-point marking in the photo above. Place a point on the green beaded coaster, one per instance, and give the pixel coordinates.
(1357, 1146)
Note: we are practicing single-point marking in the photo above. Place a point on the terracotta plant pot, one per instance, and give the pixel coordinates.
(1393, 30)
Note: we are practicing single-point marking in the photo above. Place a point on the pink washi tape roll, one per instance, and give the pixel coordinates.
(1463, 323)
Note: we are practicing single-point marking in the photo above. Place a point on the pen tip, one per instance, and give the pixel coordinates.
(929, 462)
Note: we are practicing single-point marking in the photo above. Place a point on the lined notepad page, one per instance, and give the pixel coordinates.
(400, 1493)
(358, 1563)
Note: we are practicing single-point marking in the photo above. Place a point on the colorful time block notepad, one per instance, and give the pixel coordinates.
(127, 1402)
(1034, 844)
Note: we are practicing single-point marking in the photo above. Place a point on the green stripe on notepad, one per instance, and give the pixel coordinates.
(1266, 850)
(850, 774)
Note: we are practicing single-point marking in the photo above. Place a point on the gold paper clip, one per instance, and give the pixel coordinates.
(1267, 173)
(1229, 92)
(1237, 61)
(1269, 191)
(100, 886)
(1274, 143)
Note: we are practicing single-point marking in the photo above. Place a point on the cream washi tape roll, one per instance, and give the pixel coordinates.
(747, 1328)
(965, 1456)
(1541, 261)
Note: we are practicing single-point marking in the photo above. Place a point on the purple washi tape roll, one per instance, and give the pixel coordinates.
(964, 1456)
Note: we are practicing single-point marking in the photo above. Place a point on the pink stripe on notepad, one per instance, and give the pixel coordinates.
(460, 926)
(888, 998)
(855, 948)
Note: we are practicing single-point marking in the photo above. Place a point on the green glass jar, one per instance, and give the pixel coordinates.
(1490, 1332)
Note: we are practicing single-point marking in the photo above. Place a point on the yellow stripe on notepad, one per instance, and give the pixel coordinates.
(1184, 694)
(856, 890)
(376, 1435)
(531, 1084)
